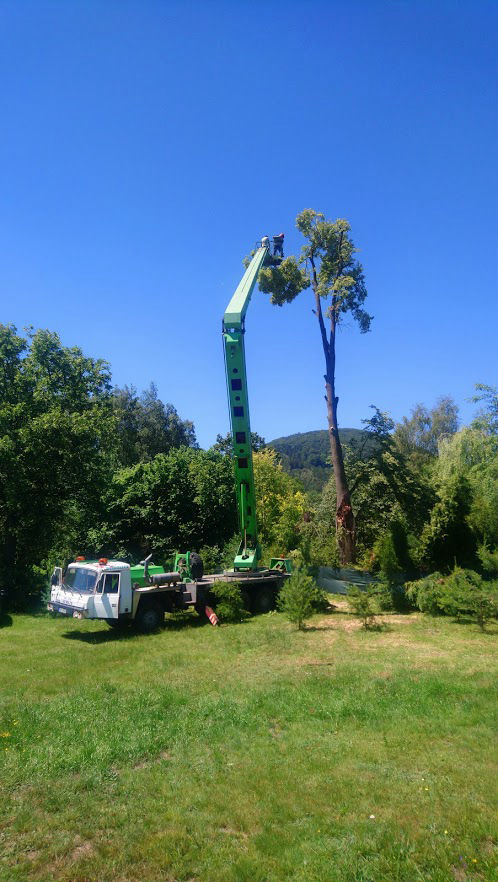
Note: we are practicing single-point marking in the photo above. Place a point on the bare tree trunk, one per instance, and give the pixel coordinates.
(344, 517)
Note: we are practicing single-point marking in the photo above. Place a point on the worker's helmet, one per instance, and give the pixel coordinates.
(281, 235)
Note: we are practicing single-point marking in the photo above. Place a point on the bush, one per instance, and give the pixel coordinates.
(488, 559)
(229, 602)
(390, 596)
(426, 593)
(211, 558)
(465, 592)
(364, 604)
(299, 598)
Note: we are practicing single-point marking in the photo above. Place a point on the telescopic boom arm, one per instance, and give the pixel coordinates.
(235, 365)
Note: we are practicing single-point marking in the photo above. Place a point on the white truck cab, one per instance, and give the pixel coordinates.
(92, 590)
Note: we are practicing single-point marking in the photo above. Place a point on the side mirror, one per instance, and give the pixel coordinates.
(56, 577)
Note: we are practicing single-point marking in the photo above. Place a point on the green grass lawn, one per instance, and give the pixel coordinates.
(248, 753)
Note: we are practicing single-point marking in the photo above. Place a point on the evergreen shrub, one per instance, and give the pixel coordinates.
(300, 597)
(364, 604)
(462, 593)
(229, 602)
(426, 593)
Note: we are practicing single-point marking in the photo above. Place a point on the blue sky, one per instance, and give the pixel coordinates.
(146, 145)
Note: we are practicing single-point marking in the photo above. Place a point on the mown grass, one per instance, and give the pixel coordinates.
(248, 753)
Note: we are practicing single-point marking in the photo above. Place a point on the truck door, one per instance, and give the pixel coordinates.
(106, 598)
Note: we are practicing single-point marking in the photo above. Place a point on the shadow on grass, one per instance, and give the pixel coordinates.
(377, 626)
(5, 620)
(99, 636)
(179, 621)
(490, 629)
(382, 627)
(176, 622)
(329, 610)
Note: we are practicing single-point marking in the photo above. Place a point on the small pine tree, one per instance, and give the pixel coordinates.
(363, 604)
(298, 598)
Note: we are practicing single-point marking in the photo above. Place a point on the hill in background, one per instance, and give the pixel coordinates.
(306, 455)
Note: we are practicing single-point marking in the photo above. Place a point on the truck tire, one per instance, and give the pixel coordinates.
(149, 618)
(118, 624)
(196, 566)
(264, 599)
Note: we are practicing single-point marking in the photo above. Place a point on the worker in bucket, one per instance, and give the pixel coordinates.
(265, 242)
(278, 245)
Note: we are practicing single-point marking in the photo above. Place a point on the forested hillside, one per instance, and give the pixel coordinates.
(306, 455)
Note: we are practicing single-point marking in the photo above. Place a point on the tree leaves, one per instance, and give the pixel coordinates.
(283, 282)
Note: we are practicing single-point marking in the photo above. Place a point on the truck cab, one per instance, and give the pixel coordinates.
(99, 589)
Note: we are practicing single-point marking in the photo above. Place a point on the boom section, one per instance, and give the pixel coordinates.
(235, 366)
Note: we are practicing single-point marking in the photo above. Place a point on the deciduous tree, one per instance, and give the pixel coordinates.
(145, 426)
(56, 449)
(329, 266)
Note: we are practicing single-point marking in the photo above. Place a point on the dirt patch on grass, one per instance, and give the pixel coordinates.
(85, 849)
(329, 624)
(488, 847)
(143, 764)
(146, 763)
(350, 623)
(33, 855)
(229, 831)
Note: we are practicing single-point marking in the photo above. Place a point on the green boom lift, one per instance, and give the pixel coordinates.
(249, 553)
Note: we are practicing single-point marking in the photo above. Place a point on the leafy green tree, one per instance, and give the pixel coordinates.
(488, 560)
(471, 457)
(487, 416)
(145, 426)
(318, 541)
(280, 503)
(419, 435)
(180, 500)
(389, 563)
(457, 590)
(390, 497)
(57, 448)
(461, 593)
(447, 538)
(327, 264)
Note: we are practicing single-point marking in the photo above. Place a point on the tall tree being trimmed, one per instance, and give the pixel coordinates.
(328, 265)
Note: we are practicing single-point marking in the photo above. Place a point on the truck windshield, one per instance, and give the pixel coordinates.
(80, 579)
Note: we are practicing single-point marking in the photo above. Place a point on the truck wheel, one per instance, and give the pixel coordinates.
(264, 600)
(149, 618)
(118, 624)
(196, 566)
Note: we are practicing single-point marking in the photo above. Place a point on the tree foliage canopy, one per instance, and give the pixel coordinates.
(339, 276)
